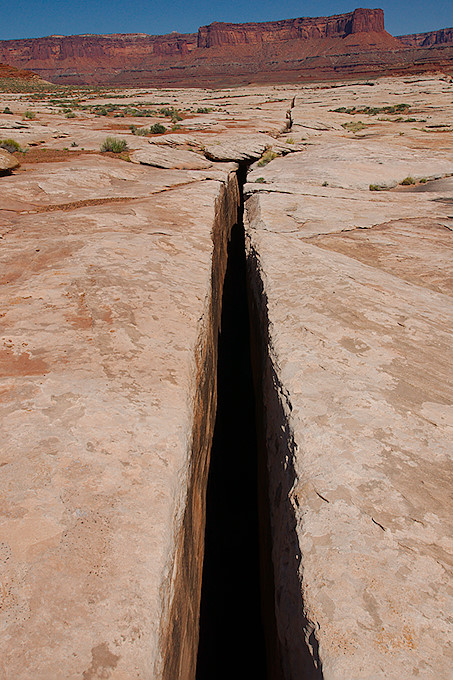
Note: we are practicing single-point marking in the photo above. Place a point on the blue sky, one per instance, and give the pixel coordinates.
(34, 18)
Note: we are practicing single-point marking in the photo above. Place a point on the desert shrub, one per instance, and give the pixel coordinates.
(30, 115)
(114, 144)
(166, 111)
(267, 157)
(157, 129)
(10, 145)
(203, 109)
(142, 132)
(7, 110)
(407, 181)
(377, 187)
(260, 180)
(374, 110)
(71, 114)
(354, 127)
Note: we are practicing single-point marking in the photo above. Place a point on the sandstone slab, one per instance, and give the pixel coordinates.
(159, 157)
(106, 322)
(354, 292)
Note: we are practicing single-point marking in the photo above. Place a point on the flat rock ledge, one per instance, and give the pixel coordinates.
(177, 159)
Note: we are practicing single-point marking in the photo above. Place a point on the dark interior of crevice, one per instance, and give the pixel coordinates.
(237, 610)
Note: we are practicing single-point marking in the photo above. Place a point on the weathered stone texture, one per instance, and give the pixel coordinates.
(107, 366)
(356, 361)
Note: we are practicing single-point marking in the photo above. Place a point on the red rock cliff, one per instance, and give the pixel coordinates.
(442, 37)
(341, 25)
(93, 50)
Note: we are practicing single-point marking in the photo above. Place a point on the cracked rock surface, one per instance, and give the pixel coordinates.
(111, 279)
(355, 288)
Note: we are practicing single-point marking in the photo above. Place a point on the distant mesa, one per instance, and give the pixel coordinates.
(343, 46)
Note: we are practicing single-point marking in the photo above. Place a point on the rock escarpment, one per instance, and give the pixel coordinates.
(442, 37)
(352, 44)
(341, 25)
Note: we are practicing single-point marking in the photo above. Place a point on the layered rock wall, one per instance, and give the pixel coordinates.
(442, 37)
(102, 50)
(361, 20)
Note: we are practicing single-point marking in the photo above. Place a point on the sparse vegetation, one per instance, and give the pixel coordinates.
(374, 110)
(114, 144)
(267, 157)
(29, 115)
(260, 180)
(377, 187)
(203, 109)
(407, 181)
(157, 129)
(71, 114)
(7, 110)
(354, 126)
(141, 132)
(10, 145)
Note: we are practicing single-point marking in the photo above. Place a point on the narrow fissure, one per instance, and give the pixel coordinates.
(237, 619)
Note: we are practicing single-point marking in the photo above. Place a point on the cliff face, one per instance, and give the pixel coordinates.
(442, 37)
(98, 50)
(341, 46)
(341, 25)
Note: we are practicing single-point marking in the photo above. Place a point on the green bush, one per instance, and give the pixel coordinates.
(10, 145)
(203, 109)
(157, 129)
(407, 181)
(30, 115)
(7, 110)
(114, 144)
